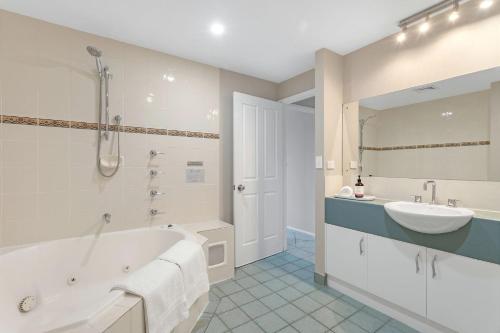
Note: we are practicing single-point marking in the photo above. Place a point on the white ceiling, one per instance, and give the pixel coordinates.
(456, 86)
(269, 39)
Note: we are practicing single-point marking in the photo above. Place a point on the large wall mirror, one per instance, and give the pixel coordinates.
(443, 130)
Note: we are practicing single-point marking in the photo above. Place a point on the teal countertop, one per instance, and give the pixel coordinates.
(479, 239)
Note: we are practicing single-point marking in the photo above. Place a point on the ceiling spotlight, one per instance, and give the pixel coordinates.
(401, 36)
(217, 29)
(454, 15)
(425, 26)
(168, 77)
(485, 4)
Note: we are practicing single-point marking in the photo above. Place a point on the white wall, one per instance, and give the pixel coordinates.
(299, 152)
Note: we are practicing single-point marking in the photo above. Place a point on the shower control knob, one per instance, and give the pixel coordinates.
(107, 217)
(241, 188)
(154, 153)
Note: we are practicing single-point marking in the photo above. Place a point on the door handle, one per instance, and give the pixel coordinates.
(417, 263)
(434, 273)
(241, 188)
(361, 250)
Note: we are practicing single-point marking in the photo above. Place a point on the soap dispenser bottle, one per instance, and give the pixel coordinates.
(359, 188)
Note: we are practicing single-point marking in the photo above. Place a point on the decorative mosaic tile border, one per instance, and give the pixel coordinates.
(17, 120)
(432, 145)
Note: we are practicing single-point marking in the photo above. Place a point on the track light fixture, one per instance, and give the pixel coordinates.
(485, 4)
(454, 15)
(423, 17)
(401, 36)
(424, 26)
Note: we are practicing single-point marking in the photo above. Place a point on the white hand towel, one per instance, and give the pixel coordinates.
(191, 260)
(160, 284)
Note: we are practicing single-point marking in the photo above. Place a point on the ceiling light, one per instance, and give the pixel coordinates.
(425, 26)
(217, 29)
(454, 15)
(401, 36)
(485, 4)
(168, 77)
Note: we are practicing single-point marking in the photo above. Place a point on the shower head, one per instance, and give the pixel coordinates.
(95, 52)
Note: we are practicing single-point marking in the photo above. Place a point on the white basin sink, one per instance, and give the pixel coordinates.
(428, 219)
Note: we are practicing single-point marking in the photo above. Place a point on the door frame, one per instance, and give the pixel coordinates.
(291, 100)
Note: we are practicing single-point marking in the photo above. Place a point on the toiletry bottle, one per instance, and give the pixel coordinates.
(359, 189)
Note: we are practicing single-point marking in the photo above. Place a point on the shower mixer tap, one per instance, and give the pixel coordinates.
(154, 212)
(154, 153)
(155, 173)
(155, 193)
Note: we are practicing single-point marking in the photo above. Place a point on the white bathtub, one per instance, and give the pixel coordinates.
(45, 271)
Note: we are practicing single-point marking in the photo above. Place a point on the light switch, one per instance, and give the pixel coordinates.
(319, 162)
(331, 165)
(353, 165)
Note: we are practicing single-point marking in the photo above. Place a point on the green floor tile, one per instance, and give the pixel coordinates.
(348, 327)
(241, 297)
(321, 297)
(271, 322)
(342, 308)
(274, 301)
(366, 321)
(327, 317)
(260, 291)
(309, 325)
(275, 284)
(290, 293)
(249, 327)
(216, 326)
(225, 304)
(306, 304)
(234, 318)
(229, 287)
(255, 309)
(290, 313)
(247, 282)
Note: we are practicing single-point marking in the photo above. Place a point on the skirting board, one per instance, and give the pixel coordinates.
(302, 231)
(419, 323)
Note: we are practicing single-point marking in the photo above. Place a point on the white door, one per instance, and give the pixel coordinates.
(346, 255)
(463, 293)
(258, 178)
(397, 273)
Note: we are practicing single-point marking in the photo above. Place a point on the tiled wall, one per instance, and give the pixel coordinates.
(49, 185)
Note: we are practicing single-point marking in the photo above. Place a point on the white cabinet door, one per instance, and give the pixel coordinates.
(346, 255)
(397, 273)
(463, 293)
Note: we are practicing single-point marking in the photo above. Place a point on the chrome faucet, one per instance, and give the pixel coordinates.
(433, 183)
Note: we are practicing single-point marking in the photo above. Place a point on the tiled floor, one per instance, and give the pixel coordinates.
(277, 294)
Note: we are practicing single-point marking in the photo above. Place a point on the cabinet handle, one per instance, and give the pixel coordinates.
(361, 250)
(434, 274)
(417, 263)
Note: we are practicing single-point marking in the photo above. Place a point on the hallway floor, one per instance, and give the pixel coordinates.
(277, 294)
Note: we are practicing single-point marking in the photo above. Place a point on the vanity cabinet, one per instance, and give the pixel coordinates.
(397, 273)
(463, 293)
(457, 292)
(346, 255)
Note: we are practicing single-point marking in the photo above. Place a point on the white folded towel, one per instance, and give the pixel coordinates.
(160, 284)
(191, 260)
